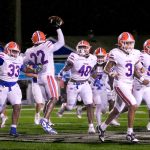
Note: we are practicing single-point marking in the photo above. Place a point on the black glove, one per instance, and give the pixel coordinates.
(55, 22)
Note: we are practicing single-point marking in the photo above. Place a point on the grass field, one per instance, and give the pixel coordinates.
(72, 133)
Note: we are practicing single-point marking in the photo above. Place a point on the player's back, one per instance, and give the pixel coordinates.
(42, 54)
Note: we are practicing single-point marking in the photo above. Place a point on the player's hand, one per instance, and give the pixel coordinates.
(114, 74)
(55, 21)
(145, 82)
(38, 68)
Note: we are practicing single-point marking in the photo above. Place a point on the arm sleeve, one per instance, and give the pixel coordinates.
(61, 42)
(72, 58)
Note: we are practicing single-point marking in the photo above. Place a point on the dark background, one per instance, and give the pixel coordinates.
(105, 17)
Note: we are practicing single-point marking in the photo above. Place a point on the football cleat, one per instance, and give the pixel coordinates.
(13, 132)
(3, 121)
(59, 115)
(37, 119)
(91, 130)
(131, 138)
(115, 123)
(47, 127)
(101, 133)
(148, 126)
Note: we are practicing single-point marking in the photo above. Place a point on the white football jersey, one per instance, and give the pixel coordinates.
(125, 63)
(145, 59)
(43, 54)
(10, 69)
(99, 73)
(82, 66)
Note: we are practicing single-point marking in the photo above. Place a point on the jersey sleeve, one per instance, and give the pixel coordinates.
(59, 43)
(112, 56)
(138, 56)
(72, 57)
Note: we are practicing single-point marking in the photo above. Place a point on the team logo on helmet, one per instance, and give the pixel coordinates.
(101, 55)
(38, 37)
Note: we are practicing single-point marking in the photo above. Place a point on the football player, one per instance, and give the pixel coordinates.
(126, 61)
(42, 53)
(140, 91)
(81, 64)
(10, 66)
(100, 86)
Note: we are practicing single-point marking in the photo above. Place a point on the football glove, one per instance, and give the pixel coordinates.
(55, 21)
(37, 68)
(33, 68)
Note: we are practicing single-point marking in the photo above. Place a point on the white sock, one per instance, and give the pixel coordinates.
(91, 125)
(45, 119)
(2, 115)
(38, 114)
(104, 126)
(14, 125)
(129, 130)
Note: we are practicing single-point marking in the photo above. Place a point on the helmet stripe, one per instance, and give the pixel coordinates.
(38, 35)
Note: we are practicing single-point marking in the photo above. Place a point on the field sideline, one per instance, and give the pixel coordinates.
(72, 133)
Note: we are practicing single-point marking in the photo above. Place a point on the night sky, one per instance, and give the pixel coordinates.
(110, 17)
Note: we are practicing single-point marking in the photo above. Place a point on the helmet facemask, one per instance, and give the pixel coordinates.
(126, 42)
(101, 59)
(148, 49)
(146, 46)
(12, 49)
(83, 48)
(14, 53)
(127, 46)
(101, 55)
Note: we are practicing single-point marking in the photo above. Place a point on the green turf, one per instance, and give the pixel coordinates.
(68, 124)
